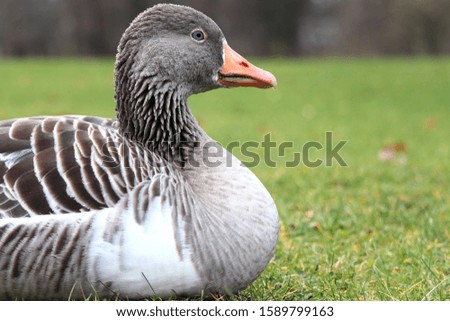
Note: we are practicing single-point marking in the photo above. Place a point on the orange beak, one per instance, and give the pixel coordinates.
(238, 72)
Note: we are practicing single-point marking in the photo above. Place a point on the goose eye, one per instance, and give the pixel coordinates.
(198, 35)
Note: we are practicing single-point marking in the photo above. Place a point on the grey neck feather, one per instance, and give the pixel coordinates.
(152, 111)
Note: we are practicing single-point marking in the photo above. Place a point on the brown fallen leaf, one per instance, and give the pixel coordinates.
(393, 152)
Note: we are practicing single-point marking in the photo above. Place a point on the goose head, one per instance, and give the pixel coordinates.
(183, 46)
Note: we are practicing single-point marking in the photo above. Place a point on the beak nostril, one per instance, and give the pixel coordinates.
(244, 64)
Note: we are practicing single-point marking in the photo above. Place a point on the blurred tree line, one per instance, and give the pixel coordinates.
(256, 27)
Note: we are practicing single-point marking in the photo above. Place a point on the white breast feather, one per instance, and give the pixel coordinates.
(146, 249)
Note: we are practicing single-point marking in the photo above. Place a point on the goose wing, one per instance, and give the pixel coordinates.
(66, 164)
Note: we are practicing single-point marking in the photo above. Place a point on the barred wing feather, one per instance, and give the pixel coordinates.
(66, 164)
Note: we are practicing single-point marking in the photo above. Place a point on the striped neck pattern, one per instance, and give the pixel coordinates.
(153, 112)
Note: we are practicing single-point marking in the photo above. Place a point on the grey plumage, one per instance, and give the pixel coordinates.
(87, 204)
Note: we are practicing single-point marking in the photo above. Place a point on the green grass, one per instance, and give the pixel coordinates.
(374, 230)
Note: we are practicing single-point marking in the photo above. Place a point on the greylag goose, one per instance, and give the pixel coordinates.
(131, 206)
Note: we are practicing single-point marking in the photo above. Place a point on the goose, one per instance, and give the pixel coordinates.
(131, 206)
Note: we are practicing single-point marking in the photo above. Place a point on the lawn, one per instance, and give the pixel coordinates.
(376, 229)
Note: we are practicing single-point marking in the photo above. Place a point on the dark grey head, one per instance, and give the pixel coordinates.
(176, 43)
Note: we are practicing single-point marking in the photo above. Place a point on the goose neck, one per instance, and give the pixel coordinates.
(155, 113)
